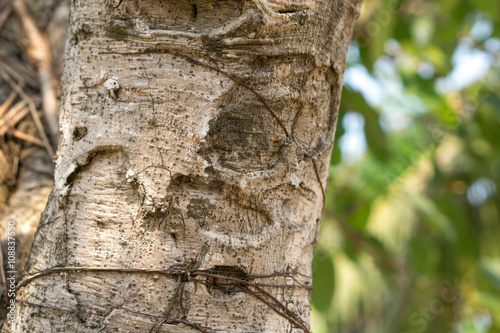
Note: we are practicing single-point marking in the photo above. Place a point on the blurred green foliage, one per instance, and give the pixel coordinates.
(410, 238)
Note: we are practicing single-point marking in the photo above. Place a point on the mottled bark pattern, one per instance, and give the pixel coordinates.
(165, 163)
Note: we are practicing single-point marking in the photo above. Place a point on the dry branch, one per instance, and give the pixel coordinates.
(39, 52)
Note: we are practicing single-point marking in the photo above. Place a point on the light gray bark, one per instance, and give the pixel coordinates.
(193, 159)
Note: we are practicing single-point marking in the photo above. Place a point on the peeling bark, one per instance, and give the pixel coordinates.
(192, 165)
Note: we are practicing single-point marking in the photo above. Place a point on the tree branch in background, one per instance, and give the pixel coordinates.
(39, 52)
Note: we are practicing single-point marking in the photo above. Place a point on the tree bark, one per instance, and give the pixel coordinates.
(192, 166)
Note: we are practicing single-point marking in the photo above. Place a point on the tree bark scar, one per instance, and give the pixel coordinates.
(255, 92)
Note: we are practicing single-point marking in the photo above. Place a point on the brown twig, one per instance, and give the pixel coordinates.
(273, 303)
(8, 102)
(261, 294)
(15, 115)
(34, 114)
(28, 138)
(287, 313)
(173, 272)
(285, 274)
(155, 329)
(52, 270)
(234, 285)
(246, 282)
(318, 178)
(5, 15)
(39, 52)
(20, 72)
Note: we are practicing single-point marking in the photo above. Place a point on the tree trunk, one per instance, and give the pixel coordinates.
(192, 166)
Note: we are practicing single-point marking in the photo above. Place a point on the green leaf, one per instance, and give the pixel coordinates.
(323, 280)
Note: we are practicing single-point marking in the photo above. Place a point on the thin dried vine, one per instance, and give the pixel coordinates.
(244, 284)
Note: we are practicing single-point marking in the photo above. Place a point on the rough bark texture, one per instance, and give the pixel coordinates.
(193, 158)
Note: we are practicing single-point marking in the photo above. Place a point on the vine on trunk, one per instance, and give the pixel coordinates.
(222, 279)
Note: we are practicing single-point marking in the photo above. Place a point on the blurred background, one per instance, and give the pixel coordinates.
(410, 239)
